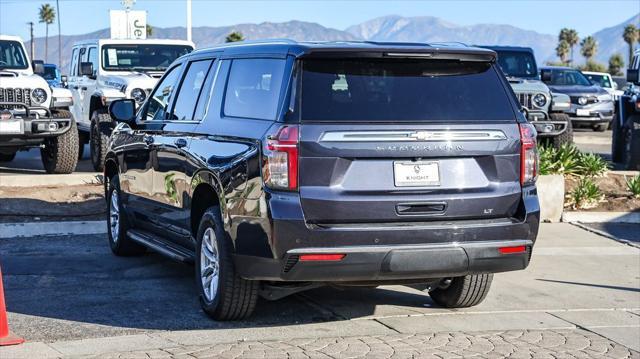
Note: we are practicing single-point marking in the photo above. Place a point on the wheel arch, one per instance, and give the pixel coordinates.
(205, 191)
(111, 169)
(95, 103)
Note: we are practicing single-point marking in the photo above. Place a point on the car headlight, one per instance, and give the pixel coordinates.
(138, 95)
(540, 100)
(582, 100)
(39, 96)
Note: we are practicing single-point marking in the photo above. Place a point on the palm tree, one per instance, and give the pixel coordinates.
(571, 37)
(616, 62)
(562, 50)
(149, 30)
(234, 37)
(47, 15)
(589, 47)
(631, 35)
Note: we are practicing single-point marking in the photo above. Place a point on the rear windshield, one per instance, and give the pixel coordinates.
(347, 90)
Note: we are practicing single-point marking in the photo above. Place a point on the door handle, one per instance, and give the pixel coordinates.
(75, 87)
(148, 140)
(181, 142)
(83, 88)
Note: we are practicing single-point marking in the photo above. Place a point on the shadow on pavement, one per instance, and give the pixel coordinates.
(591, 285)
(78, 279)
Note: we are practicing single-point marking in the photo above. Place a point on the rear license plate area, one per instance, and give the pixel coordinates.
(416, 173)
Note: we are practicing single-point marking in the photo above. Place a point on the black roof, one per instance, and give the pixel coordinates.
(345, 48)
(507, 48)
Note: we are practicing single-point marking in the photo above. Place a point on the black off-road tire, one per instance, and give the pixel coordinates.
(617, 140)
(60, 154)
(7, 157)
(631, 153)
(101, 127)
(236, 297)
(121, 246)
(601, 127)
(463, 292)
(567, 136)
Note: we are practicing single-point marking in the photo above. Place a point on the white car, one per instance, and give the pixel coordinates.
(105, 70)
(32, 114)
(605, 81)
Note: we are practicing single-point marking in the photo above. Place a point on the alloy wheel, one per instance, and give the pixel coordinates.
(114, 216)
(209, 264)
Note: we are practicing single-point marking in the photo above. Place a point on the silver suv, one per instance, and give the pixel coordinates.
(544, 108)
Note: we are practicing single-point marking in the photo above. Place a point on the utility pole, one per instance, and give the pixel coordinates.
(59, 36)
(188, 20)
(33, 45)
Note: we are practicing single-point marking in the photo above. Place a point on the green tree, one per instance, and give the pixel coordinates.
(46, 15)
(593, 66)
(616, 63)
(562, 50)
(589, 47)
(571, 37)
(234, 37)
(630, 35)
(149, 30)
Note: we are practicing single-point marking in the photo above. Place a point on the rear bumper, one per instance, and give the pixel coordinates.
(382, 252)
(389, 263)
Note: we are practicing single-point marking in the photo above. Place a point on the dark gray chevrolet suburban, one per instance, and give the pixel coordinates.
(281, 166)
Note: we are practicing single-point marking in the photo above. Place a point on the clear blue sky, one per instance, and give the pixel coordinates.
(81, 16)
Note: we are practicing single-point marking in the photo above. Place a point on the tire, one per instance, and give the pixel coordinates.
(117, 224)
(601, 127)
(232, 298)
(7, 157)
(617, 141)
(567, 136)
(631, 154)
(60, 154)
(463, 292)
(99, 138)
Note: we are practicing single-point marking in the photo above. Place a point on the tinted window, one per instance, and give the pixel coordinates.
(205, 94)
(93, 58)
(73, 70)
(159, 101)
(12, 56)
(190, 90)
(517, 64)
(50, 73)
(402, 90)
(253, 88)
(141, 56)
(562, 77)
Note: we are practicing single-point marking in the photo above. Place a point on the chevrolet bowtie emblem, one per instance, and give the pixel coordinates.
(422, 135)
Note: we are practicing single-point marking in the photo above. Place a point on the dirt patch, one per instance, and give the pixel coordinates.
(78, 202)
(617, 197)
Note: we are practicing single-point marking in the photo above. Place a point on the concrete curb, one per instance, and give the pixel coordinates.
(38, 180)
(601, 217)
(606, 235)
(34, 229)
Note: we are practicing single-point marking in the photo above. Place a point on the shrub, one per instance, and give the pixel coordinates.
(565, 160)
(591, 165)
(586, 194)
(633, 185)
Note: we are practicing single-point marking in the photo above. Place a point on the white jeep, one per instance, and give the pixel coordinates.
(105, 70)
(32, 114)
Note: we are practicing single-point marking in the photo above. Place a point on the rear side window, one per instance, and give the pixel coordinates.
(253, 88)
(406, 90)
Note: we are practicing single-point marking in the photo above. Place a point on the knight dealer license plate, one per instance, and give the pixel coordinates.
(416, 174)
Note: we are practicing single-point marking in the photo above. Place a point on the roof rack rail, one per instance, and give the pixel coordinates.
(395, 43)
(448, 43)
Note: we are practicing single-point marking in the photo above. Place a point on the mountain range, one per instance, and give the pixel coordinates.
(386, 28)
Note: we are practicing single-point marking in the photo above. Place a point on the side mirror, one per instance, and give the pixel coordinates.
(123, 110)
(64, 81)
(545, 75)
(633, 75)
(86, 69)
(38, 67)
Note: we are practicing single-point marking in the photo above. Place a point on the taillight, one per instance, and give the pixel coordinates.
(528, 154)
(280, 165)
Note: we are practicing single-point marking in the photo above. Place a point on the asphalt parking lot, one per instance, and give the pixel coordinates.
(68, 295)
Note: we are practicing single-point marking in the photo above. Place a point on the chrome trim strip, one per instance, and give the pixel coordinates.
(412, 136)
(377, 249)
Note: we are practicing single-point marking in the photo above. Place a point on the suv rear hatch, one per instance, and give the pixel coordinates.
(388, 140)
